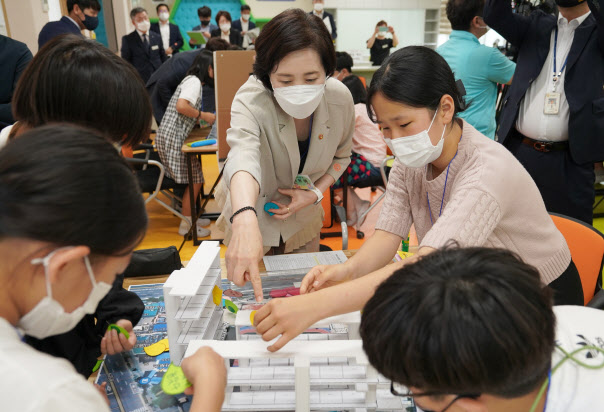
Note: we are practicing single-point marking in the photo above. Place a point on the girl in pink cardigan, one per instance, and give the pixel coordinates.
(449, 180)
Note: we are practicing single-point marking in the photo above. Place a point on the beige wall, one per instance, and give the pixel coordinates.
(269, 9)
(25, 19)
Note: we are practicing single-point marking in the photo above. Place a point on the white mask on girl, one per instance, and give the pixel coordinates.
(225, 27)
(48, 317)
(417, 150)
(299, 101)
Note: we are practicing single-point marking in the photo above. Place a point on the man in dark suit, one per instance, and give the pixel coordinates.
(327, 18)
(170, 33)
(244, 24)
(225, 31)
(82, 15)
(206, 27)
(553, 113)
(14, 56)
(143, 48)
(163, 83)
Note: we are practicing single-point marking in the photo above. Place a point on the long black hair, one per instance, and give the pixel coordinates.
(80, 81)
(200, 67)
(69, 186)
(415, 76)
(357, 89)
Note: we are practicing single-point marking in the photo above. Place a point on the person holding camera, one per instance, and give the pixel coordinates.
(379, 45)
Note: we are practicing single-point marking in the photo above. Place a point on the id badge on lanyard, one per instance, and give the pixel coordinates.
(551, 105)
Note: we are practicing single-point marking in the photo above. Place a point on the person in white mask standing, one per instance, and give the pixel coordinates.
(60, 251)
(170, 33)
(330, 23)
(290, 122)
(225, 31)
(450, 181)
(143, 48)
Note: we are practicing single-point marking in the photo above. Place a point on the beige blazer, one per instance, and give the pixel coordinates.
(263, 143)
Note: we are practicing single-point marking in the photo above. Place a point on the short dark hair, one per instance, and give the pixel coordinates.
(136, 11)
(290, 31)
(245, 7)
(461, 12)
(381, 23)
(68, 186)
(224, 13)
(200, 66)
(83, 4)
(204, 11)
(344, 61)
(75, 80)
(161, 5)
(416, 76)
(216, 43)
(357, 89)
(475, 320)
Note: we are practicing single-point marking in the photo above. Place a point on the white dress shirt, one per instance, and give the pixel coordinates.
(532, 121)
(245, 25)
(141, 34)
(164, 29)
(226, 36)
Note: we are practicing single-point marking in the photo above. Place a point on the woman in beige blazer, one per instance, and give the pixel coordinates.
(288, 119)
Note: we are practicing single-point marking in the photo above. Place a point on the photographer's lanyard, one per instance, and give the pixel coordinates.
(557, 74)
(546, 385)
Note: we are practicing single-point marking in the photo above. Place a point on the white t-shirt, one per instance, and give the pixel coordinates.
(4, 135)
(37, 382)
(190, 89)
(575, 388)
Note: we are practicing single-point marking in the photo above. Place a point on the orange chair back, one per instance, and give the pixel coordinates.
(363, 80)
(586, 246)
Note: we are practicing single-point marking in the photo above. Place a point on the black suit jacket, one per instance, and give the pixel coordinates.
(163, 83)
(55, 28)
(14, 56)
(234, 37)
(584, 78)
(176, 40)
(237, 25)
(334, 31)
(144, 60)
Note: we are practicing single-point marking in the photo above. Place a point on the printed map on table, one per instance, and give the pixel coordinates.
(133, 378)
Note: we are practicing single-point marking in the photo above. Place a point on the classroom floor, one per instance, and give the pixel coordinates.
(163, 225)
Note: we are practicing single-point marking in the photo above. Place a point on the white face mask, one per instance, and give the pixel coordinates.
(318, 7)
(225, 27)
(299, 101)
(48, 317)
(164, 16)
(143, 26)
(245, 17)
(416, 151)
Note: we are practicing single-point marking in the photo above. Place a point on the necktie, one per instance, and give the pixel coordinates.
(145, 41)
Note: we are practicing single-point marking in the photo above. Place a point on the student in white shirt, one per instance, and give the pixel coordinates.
(474, 330)
(71, 215)
(184, 110)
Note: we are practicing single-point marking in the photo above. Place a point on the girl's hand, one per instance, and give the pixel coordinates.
(114, 342)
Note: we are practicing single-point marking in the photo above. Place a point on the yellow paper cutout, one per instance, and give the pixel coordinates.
(217, 295)
(157, 348)
(252, 315)
(174, 381)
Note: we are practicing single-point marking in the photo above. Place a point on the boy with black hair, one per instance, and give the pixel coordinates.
(344, 64)
(479, 67)
(206, 27)
(473, 330)
(82, 14)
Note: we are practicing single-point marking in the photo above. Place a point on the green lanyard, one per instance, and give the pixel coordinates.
(567, 356)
